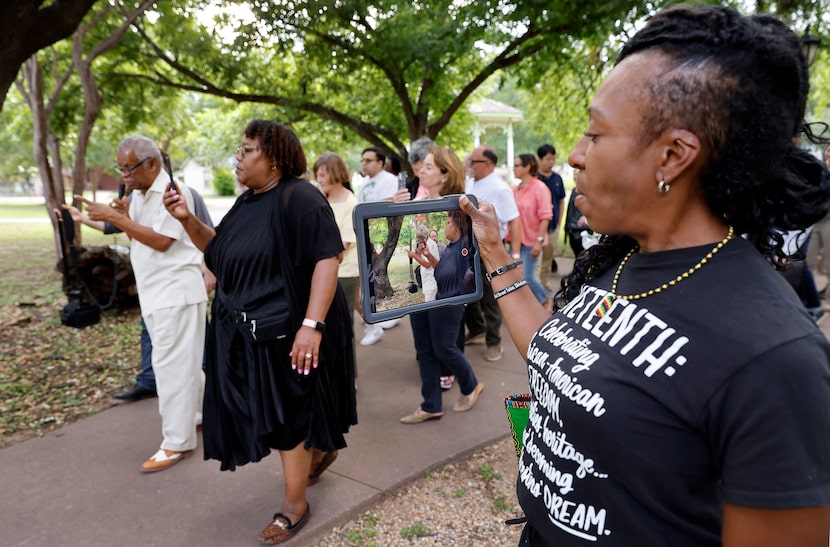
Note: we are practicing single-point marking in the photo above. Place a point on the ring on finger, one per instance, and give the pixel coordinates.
(308, 356)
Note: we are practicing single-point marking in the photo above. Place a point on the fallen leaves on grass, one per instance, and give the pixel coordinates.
(52, 375)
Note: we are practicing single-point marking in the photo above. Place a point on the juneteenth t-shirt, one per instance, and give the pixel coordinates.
(645, 421)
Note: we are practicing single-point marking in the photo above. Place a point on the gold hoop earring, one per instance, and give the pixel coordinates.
(273, 168)
(662, 187)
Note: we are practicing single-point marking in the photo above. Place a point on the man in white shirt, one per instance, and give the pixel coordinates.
(171, 292)
(379, 185)
(484, 317)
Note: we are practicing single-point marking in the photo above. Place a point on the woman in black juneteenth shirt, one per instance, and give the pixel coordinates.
(680, 395)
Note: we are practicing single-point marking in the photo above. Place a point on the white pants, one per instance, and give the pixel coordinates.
(178, 336)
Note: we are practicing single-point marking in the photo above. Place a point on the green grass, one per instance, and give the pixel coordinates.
(416, 530)
(500, 505)
(487, 472)
(22, 210)
(362, 537)
(51, 375)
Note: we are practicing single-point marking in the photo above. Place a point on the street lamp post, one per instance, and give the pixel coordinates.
(809, 47)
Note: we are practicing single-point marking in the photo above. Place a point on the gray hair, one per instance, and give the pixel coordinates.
(419, 149)
(422, 231)
(142, 146)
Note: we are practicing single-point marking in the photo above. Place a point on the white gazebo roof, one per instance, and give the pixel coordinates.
(492, 113)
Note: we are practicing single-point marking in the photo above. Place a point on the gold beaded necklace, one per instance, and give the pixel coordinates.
(605, 303)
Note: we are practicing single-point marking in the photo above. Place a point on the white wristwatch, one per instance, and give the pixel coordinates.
(317, 325)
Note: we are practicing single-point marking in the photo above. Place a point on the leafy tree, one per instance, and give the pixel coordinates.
(63, 96)
(388, 72)
(561, 92)
(223, 181)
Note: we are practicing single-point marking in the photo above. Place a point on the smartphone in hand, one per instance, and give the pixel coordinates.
(122, 188)
(172, 185)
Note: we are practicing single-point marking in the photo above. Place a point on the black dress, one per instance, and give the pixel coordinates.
(254, 401)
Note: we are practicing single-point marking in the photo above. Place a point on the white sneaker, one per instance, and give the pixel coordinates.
(389, 324)
(371, 334)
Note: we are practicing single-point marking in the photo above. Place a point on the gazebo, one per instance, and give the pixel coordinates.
(491, 113)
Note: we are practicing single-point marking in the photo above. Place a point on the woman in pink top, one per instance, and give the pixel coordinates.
(535, 211)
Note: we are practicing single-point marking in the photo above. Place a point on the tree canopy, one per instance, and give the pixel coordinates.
(386, 71)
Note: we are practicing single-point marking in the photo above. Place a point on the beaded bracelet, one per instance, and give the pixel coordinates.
(503, 269)
(509, 289)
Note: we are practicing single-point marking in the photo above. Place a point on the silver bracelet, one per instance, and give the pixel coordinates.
(510, 288)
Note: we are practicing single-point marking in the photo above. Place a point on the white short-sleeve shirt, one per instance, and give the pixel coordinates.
(494, 190)
(169, 278)
(377, 188)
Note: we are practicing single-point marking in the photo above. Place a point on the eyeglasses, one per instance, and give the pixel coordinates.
(368, 160)
(242, 150)
(129, 169)
(478, 161)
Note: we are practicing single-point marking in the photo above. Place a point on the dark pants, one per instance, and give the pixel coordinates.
(435, 333)
(146, 378)
(485, 316)
(350, 287)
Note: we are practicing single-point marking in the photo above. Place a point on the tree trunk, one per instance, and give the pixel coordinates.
(106, 274)
(33, 93)
(380, 261)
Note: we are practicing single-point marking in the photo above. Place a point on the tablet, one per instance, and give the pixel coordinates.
(391, 284)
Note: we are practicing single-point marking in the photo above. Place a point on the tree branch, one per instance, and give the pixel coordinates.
(377, 135)
(27, 27)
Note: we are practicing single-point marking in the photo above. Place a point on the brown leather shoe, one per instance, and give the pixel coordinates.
(164, 459)
(281, 529)
(421, 416)
(466, 402)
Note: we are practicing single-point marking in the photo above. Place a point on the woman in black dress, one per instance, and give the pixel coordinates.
(280, 371)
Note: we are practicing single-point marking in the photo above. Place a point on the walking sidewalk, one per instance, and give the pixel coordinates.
(81, 485)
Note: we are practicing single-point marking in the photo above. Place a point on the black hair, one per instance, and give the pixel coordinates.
(459, 218)
(280, 145)
(394, 165)
(740, 84)
(377, 151)
(491, 155)
(544, 150)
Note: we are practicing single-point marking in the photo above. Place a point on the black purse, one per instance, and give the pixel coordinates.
(271, 328)
(80, 314)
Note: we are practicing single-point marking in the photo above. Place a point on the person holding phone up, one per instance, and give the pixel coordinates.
(171, 292)
(664, 410)
(279, 361)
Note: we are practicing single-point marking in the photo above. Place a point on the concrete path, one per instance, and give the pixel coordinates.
(81, 485)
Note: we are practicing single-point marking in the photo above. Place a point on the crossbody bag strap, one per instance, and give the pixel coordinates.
(287, 270)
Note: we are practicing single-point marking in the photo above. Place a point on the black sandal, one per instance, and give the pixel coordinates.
(281, 529)
(328, 459)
